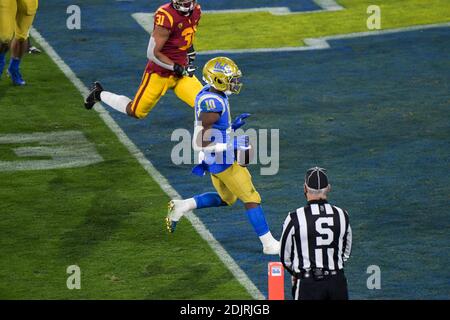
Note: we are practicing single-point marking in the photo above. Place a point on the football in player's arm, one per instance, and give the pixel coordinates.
(217, 148)
(171, 56)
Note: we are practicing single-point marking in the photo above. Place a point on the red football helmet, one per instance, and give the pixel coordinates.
(184, 6)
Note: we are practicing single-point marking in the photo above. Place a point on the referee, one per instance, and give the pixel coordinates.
(315, 243)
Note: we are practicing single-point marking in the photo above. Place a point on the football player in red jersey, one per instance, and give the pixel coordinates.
(171, 55)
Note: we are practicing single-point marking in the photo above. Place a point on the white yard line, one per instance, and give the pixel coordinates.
(152, 171)
(328, 5)
(271, 10)
(322, 42)
(145, 19)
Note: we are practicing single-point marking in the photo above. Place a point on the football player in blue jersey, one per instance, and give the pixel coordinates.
(217, 149)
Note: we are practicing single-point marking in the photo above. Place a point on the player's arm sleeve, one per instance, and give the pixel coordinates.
(162, 19)
(287, 245)
(151, 55)
(209, 103)
(211, 107)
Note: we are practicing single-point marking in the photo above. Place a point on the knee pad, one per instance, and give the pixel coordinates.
(139, 114)
(228, 199)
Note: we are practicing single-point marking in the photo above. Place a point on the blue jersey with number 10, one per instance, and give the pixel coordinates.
(207, 101)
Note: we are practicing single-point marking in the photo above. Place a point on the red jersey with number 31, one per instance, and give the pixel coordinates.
(182, 30)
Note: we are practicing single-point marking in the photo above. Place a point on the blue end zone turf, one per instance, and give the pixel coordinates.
(373, 111)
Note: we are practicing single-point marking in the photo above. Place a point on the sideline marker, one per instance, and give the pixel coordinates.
(276, 281)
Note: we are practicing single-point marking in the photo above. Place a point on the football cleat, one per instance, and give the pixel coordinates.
(34, 50)
(93, 96)
(273, 248)
(170, 224)
(176, 210)
(16, 77)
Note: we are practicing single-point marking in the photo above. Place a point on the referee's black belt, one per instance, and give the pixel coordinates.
(318, 274)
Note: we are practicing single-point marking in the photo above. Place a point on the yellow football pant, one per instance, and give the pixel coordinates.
(16, 17)
(154, 86)
(235, 183)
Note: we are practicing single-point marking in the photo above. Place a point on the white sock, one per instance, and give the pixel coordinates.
(267, 239)
(115, 101)
(190, 204)
(181, 207)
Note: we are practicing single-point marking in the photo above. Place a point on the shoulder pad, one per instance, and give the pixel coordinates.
(163, 18)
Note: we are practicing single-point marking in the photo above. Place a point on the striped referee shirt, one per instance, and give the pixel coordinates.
(316, 236)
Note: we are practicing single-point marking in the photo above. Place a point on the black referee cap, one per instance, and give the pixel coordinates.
(316, 178)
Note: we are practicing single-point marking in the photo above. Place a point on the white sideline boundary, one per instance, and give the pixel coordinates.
(223, 255)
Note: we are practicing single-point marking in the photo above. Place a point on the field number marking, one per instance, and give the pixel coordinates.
(63, 149)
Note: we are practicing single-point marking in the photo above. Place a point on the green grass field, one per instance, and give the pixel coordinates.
(107, 218)
(264, 30)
